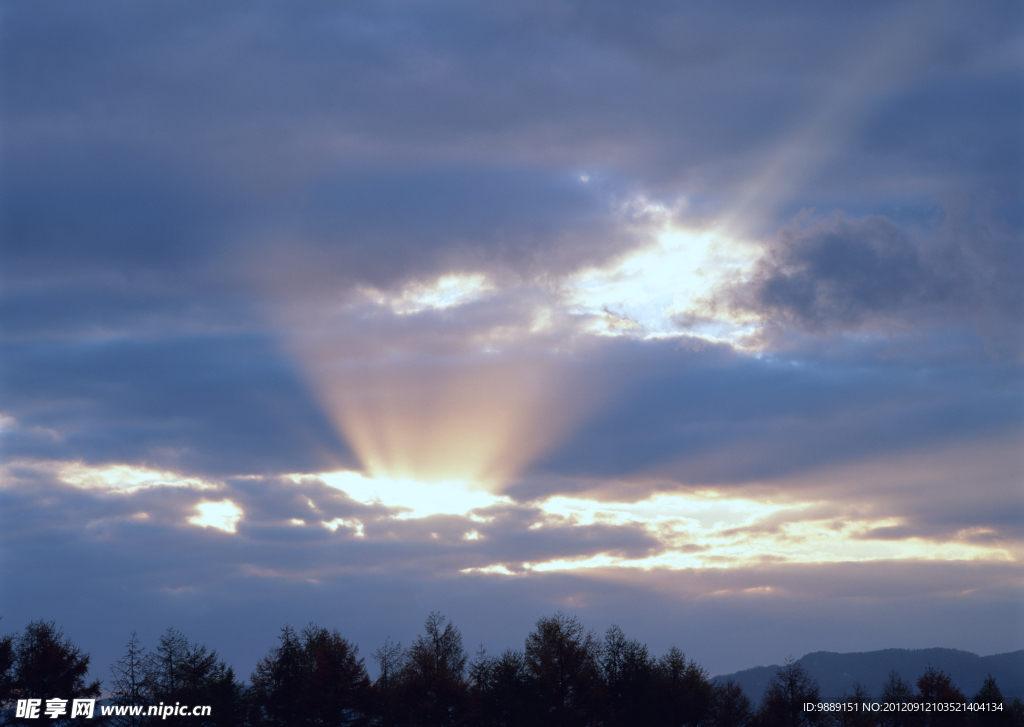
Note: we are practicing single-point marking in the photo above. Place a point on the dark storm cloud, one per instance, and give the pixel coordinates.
(841, 273)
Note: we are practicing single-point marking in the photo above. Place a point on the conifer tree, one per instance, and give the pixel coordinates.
(389, 668)
(988, 696)
(433, 690)
(687, 696)
(128, 682)
(935, 686)
(500, 691)
(896, 691)
(6, 670)
(311, 679)
(47, 665)
(783, 702)
(563, 664)
(731, 707)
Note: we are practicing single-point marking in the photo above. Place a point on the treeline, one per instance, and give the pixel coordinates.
(565, 676)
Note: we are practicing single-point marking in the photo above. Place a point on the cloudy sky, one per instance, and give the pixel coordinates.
(700, 318)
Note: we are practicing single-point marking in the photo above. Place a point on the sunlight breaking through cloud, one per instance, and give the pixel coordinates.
(417, 499)
(666, 288)
(223, 515)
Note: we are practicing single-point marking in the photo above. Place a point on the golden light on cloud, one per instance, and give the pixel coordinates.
(418, 499)
(700, 530)
(492, 569)
(123, 477)
(700, 510)
(223, 515)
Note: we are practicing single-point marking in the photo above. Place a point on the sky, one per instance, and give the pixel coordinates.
(704, 319)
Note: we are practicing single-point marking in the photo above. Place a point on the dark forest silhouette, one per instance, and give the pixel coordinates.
(565, 676)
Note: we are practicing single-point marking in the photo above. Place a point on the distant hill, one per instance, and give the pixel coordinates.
(836, 673)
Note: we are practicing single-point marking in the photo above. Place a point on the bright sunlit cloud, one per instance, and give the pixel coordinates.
(692, 530)
(701, 530)
(705, 510)
(123, 477)
(223, 515)
(351, 524)
(417, 499)
(447, 291)
(649, 291)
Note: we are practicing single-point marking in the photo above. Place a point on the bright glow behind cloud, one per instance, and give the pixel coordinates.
(470, 398)
(418, 499)
(649, 291)
(223, 515)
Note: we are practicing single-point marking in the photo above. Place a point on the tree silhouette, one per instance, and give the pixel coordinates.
(990, 694)
(128, 681)
(164, 668)
(315, 678)
(686, 694)
(6, 670)
(565, 677)
(731, 707)
(629, 678)
(433, 688)
(338, 683)
(896, 691)
(389, 664)
(859, 717)
(47, 665)
(279, 683)
(562, 661)
(183, 673)
(936, 686)
(783, 702)
(500, 690)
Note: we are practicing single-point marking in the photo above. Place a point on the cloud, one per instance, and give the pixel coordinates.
(220, 404)
(829, 515)
(838, 273)
(74, 541)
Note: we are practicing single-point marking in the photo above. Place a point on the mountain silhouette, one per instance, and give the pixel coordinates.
(836, 673)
